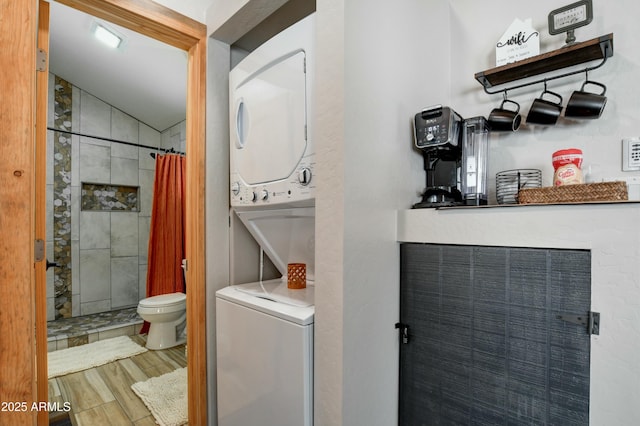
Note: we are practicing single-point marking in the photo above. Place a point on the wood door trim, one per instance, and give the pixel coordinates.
(196, 294)
(145, 17)
(165, 25)
(42, 84)
(18, 31)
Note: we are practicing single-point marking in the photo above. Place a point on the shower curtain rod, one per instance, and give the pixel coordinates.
(154, 148)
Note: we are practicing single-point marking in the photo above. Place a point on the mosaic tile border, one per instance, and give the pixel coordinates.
(62, 198)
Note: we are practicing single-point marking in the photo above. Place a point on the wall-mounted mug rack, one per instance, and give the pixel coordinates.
(494, 80)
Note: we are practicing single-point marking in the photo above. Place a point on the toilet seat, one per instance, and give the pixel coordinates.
(163, 300)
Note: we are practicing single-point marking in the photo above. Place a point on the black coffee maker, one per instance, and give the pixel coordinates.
(436, 132)
(455, 155)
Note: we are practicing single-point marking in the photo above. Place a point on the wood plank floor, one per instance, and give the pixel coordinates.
(103, 395)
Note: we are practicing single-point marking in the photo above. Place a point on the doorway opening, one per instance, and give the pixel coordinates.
(176, 30)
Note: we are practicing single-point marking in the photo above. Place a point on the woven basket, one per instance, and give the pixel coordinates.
(603, 191)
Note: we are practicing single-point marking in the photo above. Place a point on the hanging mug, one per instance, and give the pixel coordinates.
(505, 120)
(586, 105)
(543, 111)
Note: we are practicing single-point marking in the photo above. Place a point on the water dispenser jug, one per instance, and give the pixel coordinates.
(475, 150)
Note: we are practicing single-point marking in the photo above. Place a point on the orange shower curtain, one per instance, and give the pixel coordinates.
(167, 233)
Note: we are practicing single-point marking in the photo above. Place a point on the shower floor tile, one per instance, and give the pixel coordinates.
(89, 328)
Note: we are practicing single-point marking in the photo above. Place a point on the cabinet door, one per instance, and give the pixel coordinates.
(485, 345)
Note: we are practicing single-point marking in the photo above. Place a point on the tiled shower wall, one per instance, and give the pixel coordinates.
(103, 254)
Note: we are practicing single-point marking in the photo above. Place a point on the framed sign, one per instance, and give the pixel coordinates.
(519, 42)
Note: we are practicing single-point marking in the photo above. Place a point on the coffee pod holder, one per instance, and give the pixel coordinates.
(510, 182)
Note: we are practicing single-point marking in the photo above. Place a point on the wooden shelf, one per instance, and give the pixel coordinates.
(579, 53)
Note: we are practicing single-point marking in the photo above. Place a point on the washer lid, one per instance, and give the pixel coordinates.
(163, 300)
(286, 235)
(278, 291)
(263, 297)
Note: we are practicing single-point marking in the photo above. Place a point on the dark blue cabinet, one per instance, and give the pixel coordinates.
(483, 342)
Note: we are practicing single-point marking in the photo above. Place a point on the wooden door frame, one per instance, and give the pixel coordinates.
(166, 25)
(18, 385)
(42, 84)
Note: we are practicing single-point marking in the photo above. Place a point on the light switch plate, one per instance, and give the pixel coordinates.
(630, 154)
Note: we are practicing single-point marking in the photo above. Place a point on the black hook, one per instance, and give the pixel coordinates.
(50, 264)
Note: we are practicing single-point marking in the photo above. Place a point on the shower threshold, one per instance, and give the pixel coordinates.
(68, 332)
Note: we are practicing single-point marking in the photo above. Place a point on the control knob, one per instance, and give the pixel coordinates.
(235, 188)
(304, 176)
(264, 194)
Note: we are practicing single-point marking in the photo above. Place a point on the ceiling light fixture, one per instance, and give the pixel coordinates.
(107, 36)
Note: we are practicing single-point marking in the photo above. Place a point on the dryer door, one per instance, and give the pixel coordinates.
(268, 121)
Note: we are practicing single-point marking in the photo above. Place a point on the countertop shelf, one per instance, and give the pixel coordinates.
(568, 203)
(578, 53)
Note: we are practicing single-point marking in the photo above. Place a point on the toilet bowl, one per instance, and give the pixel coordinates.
(167, 318)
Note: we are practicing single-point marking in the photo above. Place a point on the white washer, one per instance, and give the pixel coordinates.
(264, 330)
(265, 355)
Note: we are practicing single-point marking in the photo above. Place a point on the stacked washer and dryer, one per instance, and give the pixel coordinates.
(264, 330)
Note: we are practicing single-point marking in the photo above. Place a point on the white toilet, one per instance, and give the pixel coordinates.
(167, 318)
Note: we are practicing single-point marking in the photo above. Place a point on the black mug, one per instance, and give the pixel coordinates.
(505, 120)
(586, 105)
(544, 111)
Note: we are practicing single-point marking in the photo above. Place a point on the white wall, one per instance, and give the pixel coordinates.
(194, 9)
(375, 72)
(329, 336)
(217, 200)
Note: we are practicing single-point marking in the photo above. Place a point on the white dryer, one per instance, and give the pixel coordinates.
(272, 155)
(264, 330)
